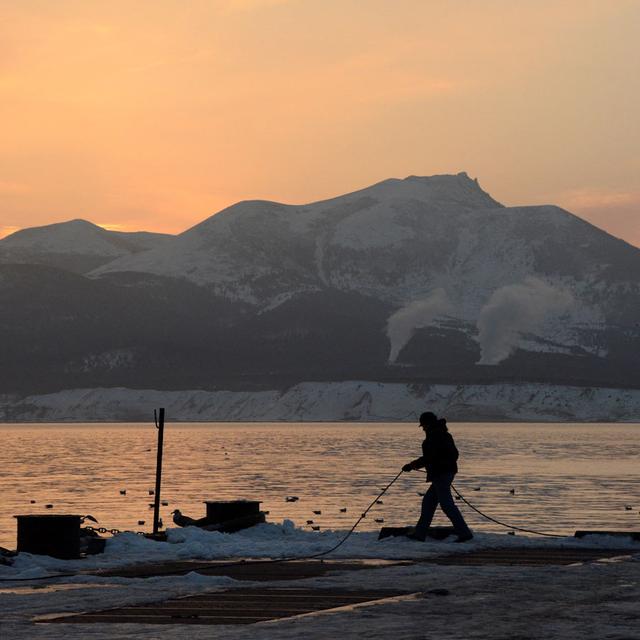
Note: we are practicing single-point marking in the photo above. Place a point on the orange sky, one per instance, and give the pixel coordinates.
(154, 114)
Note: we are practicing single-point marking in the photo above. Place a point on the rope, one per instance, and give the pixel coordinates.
(504, 524)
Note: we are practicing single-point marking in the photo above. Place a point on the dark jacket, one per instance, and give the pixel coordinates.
(439, 452)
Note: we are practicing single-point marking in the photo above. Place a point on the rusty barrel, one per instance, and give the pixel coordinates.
(49, 535)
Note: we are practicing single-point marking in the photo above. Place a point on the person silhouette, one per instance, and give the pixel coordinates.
(439, 457)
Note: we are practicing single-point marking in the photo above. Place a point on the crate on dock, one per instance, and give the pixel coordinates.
(219, 511)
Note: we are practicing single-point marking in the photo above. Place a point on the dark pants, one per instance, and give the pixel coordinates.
(439, 493)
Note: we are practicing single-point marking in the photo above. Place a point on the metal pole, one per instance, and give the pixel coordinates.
(156, 502)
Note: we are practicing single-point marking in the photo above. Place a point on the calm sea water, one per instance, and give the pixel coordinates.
(564, 477)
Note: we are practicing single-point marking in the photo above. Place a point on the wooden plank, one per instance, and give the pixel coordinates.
(237, 606)
(524, 556)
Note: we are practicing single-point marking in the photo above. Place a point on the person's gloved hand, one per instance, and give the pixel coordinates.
(408, 467)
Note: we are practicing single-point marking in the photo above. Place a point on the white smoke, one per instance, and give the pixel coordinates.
(514, 310)
(416, 315)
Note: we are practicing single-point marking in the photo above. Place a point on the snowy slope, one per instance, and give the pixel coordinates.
(74, 244)
(257, 250)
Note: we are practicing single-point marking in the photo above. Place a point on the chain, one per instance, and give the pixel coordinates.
(113, 532)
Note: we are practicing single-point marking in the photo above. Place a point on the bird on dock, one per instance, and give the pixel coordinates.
(309, 521)
(343, 510)
(316, 528)
(317, 512)
(140, 522)
(291, 499)
(512, 491)
(48, 506)
(165, 503)
(477, 488)
(123, 492)
(32, 501)
(151, 492)
(628, 508)
(379, 520)
(379, 502)
(181, 520)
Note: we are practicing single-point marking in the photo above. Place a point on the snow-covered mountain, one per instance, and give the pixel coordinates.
(438, 250)
(76, 245)
(264, 252)
(422, 280)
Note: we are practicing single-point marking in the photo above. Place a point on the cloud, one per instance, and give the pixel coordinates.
(513, 310)
(7, 187)
(416, 315)
(250, 5)
(600, 198)
(113, 226)
(617, 211)
(7, 231)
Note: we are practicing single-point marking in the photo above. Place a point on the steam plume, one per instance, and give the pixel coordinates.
(513, 310)
(416, 315)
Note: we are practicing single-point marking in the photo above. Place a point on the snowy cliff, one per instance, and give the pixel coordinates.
(347, 401)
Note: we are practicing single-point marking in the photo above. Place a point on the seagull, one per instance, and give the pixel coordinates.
(83, 518)
(185, 521)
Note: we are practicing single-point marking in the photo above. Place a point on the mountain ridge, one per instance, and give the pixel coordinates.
(414, 281)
